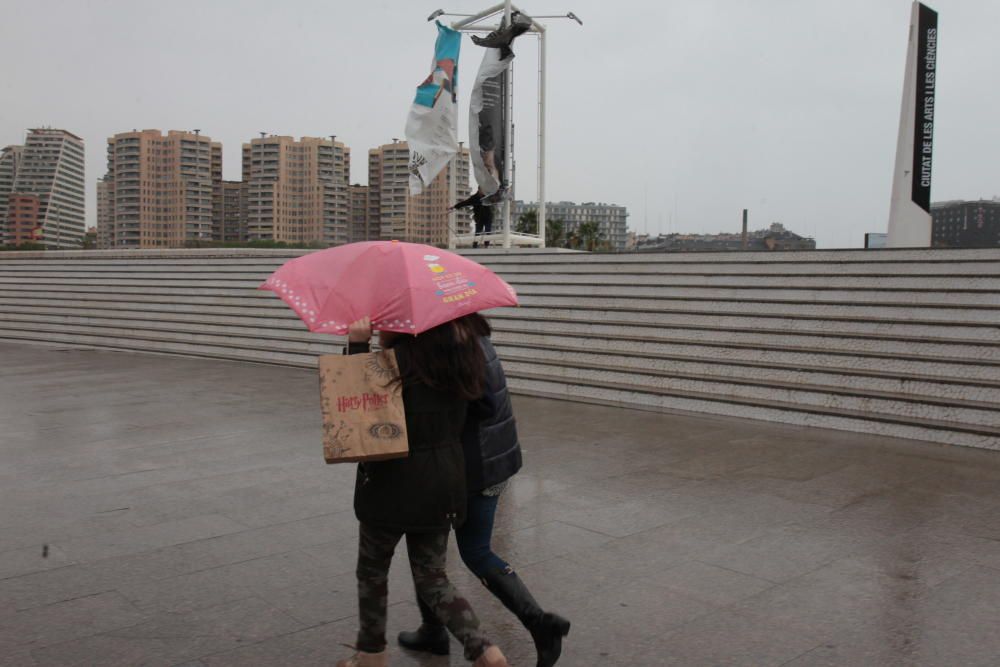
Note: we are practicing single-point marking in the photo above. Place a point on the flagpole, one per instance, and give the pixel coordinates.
(452, 177)
(541, 135)
(508, 110)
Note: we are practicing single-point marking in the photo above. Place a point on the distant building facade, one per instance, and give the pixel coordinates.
(611, 219)
(297, 190)
(10, 160)
(363, 227)
(420, 219)
(161, 191)
(233, 213)
(46, 176)
(966, 224)
(105, 213)
(775, 237)
(24, 219)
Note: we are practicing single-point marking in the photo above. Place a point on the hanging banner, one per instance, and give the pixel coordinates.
(923, 123)
(432, 126)
(486, 121)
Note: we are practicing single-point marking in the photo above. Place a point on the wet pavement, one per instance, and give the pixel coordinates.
(157, 510)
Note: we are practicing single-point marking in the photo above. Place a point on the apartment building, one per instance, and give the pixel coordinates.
(46, 179)
(363, 226)
(161, 190)
(611, 219)
(232, 212)
(297, 190)
(10, 160)
(420, 219)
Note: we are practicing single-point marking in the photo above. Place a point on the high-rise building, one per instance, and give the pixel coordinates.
(966, 224)
(420, 219)
(161, 189)
(105, 213)
(363, 226)
(10, 160)
(233, 212)
(611, 219)
(297, 191)
(49, 182)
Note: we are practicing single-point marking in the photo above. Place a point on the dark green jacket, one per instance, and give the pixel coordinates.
(424, 492)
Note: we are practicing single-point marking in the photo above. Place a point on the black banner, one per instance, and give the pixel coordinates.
(924, 89)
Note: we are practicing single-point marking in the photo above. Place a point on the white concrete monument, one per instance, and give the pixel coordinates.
(909, 210)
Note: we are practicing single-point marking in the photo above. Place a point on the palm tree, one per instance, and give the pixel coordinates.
(589, 235)
(555, 233)
(527, 223)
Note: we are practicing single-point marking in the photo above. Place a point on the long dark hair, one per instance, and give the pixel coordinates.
(447, 358)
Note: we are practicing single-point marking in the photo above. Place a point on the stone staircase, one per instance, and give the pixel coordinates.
(896, 342)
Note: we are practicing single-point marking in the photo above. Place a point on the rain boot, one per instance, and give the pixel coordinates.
(547, 630)
(364, 659)
(430, 637)
(491, 657)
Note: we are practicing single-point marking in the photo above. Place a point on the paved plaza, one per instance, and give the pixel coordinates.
(159, 510)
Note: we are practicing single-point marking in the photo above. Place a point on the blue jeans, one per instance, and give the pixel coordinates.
(473, 538)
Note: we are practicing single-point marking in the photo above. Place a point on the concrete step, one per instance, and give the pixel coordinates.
(937, 367)
(183, 340)
(930, 297)
(763, 330)
(511, 326)
(872, 380)
(939, 255)
(152, 305)
(290, 330)
(278, 324)
(600, 306)
(923, 255)
(780, 323)
(154, 346)
(763, 409)
(791, 293)
(903, 405)
(270, 307)
(196, 329)
(223, 277)
(877, 344)
(930, 282)
(942, 312)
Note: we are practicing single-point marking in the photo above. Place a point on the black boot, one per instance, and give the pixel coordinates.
(547, 629)
(430, 637)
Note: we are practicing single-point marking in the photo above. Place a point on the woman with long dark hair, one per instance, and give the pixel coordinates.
(492, 456)
(422, 496)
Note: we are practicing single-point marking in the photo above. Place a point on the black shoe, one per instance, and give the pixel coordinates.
(426, 638)
(547, 629)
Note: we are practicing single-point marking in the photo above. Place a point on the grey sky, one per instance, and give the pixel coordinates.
(685, 112)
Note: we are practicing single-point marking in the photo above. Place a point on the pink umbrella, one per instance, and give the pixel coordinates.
(403, 287)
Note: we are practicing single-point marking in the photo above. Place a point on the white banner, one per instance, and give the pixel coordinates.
(487, 136)
(432, 126)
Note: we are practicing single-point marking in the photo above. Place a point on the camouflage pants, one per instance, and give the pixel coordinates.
(427, 563)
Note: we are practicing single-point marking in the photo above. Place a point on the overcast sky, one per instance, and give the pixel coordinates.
(685, 112)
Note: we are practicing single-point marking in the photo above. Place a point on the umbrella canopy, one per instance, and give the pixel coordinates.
(402, 287)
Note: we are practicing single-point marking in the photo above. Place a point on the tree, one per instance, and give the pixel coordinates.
(555, 233)
(589, 235)
(527, 223)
